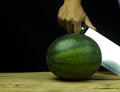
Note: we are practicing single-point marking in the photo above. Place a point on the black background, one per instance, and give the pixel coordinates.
(28, 27)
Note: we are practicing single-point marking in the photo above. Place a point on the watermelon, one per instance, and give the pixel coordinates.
(74, 57)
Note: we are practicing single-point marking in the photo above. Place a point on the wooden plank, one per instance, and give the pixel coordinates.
(48, 82)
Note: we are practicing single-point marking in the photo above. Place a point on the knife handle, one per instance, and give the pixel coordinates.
(84, 28)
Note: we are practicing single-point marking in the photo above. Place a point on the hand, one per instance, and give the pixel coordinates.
(71, 16)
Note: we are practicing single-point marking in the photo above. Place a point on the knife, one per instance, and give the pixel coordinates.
(110, 50)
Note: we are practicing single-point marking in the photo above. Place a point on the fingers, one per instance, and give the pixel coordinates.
(67, 25)
(88, 22)
(77, 28)
(62, 23)
(70, 27)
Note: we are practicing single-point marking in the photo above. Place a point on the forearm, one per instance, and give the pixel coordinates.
(73, 1)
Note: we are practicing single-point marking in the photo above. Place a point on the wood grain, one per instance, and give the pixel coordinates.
(48, 82)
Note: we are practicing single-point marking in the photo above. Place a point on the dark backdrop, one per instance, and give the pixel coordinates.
(28, 27)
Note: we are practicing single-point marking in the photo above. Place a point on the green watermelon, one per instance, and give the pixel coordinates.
(74, 57)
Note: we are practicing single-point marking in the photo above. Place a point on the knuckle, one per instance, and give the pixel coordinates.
(76, 20)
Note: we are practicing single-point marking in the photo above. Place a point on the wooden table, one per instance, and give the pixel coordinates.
(47, 82)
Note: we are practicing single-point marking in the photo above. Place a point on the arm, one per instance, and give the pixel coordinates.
(71, 15)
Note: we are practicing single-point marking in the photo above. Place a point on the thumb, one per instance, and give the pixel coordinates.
(88, 22)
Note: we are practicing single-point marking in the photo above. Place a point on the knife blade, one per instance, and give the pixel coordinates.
(110, 50)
